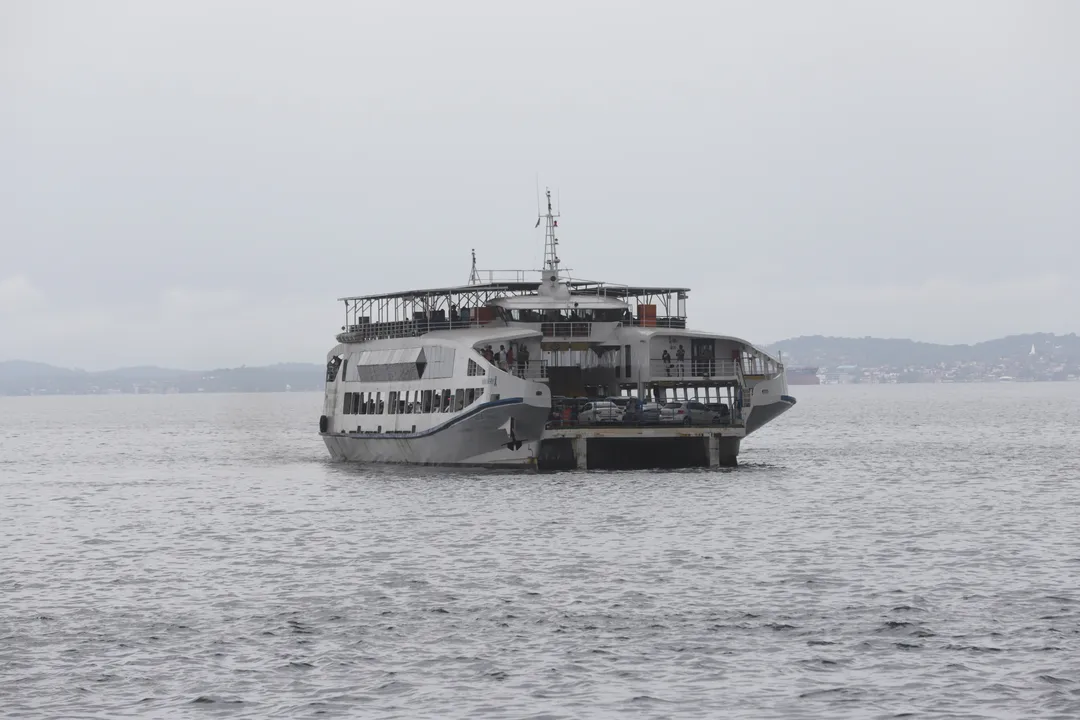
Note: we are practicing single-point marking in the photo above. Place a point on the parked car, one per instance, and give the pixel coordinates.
(647, 414)
(686, 412)
(721, 412)
(596, 412)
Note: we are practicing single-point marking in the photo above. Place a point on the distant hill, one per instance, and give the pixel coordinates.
(19, 377)
(880, 352)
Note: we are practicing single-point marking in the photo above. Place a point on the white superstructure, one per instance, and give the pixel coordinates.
(486, 373)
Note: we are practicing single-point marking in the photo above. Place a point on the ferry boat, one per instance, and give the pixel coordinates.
(490, 373)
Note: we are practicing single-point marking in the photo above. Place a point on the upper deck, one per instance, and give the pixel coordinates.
(565, 308)
(553, 303)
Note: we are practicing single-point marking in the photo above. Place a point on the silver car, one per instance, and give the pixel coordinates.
(686, 412)
(600, 411)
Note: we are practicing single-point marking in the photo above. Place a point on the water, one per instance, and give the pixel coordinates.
(883, 550)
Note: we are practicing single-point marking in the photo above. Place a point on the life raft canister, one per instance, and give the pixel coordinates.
(324, 423)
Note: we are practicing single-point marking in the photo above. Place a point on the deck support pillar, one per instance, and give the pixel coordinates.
(581, 453)
(722, 451)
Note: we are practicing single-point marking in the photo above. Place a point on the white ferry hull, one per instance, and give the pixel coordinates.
(504, 433)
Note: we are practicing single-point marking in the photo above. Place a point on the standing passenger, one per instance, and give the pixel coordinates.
(523, 359)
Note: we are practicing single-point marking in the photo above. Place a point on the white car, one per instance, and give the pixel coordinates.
(686, 412)
(600, 411)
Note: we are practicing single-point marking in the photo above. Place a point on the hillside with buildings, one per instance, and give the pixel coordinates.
(1030, 357)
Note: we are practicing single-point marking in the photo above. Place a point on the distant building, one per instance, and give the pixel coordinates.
(842, 375)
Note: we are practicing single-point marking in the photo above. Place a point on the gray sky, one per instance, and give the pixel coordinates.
(193, 184)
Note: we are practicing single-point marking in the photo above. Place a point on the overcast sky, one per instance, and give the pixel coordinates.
(193, 184)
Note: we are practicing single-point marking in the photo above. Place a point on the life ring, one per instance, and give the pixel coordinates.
(324, 423)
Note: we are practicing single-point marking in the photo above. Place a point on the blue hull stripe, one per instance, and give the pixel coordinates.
(430, 431)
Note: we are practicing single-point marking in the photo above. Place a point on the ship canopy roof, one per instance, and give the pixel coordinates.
(540, 302)
(577, 288)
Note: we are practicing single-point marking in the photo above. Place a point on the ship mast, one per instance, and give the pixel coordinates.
(551, 243)
(474, 274)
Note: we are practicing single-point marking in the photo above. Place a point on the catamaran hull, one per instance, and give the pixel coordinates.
(761, 414)
(499, 435)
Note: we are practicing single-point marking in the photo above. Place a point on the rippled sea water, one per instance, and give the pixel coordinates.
(883, 551)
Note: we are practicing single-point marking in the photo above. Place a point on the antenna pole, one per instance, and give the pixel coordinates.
(474, 274)
(551, 243)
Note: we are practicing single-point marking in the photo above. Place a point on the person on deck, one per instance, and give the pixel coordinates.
(523, 360)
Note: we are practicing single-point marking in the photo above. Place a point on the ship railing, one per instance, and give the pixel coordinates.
(678, 323)
(566, 329)
(691, 369)
(491, 277)
(402, 328)
(532, 370)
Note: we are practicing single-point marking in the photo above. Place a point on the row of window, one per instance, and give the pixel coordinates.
(408, 402)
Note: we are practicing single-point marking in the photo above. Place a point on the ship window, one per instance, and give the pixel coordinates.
(356, 403)
(475, 369)
(425, 406)
(346, 408)
(391, 401)
(479, 394)
(409, 401)
(470, 396)
(494, 397)
(459, 399)
(360, 405)
(526, 315)
(371, 403)
(446, 401)
(378, 403)
(402, 403)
